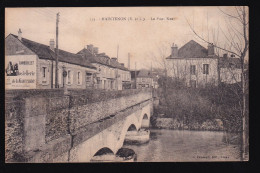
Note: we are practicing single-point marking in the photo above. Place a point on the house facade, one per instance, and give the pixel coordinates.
(142, 79)
(111, 75)
(31, 65)
(230, 69)
(198, 66)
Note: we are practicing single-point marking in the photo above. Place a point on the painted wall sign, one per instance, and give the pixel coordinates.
(20, 72)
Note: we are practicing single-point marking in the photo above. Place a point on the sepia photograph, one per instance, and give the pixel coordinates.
(126, 84)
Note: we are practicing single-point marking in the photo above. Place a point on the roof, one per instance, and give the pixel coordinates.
(192, 49)
(44, 52)
(228, 62)
(101, 59)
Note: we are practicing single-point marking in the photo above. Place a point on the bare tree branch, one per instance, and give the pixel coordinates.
(208, 41)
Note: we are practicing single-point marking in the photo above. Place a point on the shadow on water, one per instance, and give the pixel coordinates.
(153, 135)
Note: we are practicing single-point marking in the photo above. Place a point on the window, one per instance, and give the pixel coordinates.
(79, 78)
(105, 84)
(89, 81)
(60, 77)
(205, 68)
(44, 75)
(192, 69)
(44, 72)
(69, 77)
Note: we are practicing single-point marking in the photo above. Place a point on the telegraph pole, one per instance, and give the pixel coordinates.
(135, 76)
(57, 50)
(128, 61)
(117, 53)
(117, 69)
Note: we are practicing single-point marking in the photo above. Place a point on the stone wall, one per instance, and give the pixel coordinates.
(85, 110)
(39, 120)
(13, 130)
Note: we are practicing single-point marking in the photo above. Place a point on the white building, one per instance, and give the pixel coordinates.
(31, 65)
(111, 74)
(198, 66)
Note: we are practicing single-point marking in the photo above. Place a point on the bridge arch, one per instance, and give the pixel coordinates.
(132, 127)
(130, 121)
(145, 120)
(102, 151)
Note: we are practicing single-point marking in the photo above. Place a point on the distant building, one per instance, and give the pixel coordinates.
(142, 79)
(31, 65)
(230, 69)
(199, 66)
(110, 73)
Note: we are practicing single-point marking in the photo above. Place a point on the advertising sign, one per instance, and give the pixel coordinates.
(20, 72)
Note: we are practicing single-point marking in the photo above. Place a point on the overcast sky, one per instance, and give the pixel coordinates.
(142, 38)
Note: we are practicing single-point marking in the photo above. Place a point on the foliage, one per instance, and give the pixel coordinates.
(197, 105)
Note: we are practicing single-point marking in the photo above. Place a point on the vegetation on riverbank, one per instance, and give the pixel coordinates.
(209, 108)
(171, 123)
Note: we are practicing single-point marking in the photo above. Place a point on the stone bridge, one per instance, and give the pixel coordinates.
(47, 126)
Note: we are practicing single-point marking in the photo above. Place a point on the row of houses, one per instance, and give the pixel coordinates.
(32, 65)
(199, 67)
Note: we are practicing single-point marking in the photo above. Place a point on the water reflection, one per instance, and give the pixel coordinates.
(178, 145)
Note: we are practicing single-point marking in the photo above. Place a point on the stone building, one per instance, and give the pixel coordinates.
(194, 64)
(111, 74)
(230, 69)
(143, 78)
(198, 66)
(31, 65)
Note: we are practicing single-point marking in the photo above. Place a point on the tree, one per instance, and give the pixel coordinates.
(237, 43)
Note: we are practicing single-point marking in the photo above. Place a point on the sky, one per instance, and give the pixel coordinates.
(135, 33)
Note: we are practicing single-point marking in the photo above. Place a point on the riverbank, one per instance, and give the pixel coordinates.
(174, 124)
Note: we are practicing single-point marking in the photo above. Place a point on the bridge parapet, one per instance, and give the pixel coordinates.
(40, 119)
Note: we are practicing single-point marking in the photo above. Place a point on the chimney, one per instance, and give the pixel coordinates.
(52, 44)
(122, 64)
(20, 34)
(225, 55)
(90, 48)
(108, 61)
(95, 50)
(211, 49)
(114, 58)
(174, 50)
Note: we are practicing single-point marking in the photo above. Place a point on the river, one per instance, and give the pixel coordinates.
(179, 146)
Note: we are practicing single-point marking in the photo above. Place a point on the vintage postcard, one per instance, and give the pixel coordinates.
(126, 84)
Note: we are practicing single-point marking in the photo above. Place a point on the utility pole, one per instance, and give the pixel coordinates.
(57, 50)
(135, 76)
(117, 68)
(128, 61)
(117, 53)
